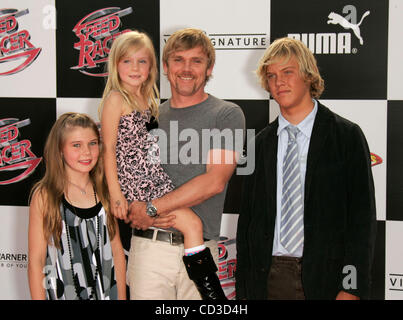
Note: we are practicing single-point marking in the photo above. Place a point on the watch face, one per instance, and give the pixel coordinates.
(151, 210)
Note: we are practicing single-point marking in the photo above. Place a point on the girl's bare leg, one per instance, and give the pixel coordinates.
(190, 225)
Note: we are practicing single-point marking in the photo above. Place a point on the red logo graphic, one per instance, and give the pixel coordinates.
(375, 159)
(16, 49)
(96, 32)
(226, 267)
(14, 154)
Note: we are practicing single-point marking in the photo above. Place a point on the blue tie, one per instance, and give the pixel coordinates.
(292, 209)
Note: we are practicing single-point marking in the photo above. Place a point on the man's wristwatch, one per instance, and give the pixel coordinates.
(151, 210)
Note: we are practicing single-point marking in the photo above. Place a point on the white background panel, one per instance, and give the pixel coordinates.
(13, 240)
(81, 105)
(233, 76)
(394, 261)
(395, 50)
(39, 78)
(228, 225)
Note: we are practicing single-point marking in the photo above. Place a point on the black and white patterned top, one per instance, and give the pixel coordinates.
(83, 230)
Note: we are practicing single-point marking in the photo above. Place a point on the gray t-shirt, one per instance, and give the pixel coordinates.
(185, 137)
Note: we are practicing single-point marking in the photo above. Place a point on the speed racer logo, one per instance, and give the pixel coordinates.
(16, 49)
(96, 32)
(226, 267)
(15, 155)
(375, 159)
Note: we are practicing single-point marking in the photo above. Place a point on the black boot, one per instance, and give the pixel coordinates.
(202, 270)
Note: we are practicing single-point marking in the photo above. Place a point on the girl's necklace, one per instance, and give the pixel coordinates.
(83, 191)
(75, 277)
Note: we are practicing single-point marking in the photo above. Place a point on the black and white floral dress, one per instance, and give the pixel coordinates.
(140, 173)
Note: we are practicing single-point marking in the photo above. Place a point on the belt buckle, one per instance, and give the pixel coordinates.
(175, 238)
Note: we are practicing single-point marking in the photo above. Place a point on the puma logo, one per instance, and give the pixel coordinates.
(335, 18)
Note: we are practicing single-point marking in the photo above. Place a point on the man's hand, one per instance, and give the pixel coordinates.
(137, 216)
(346, 296)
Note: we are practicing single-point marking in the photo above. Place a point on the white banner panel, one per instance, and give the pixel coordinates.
(81, 105)
(395, 50)
(14, 253)
(240, 33)
(28, 49)
(394, 261)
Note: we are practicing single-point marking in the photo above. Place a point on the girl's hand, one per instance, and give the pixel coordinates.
(119, 206)
(164, 222)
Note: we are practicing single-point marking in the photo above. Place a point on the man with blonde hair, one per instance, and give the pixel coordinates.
(307, 221)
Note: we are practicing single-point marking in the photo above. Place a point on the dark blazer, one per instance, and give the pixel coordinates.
(339, 214)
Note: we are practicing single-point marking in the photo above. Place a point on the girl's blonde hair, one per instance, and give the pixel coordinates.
(121, 46)
(286, 48)
(54, 183)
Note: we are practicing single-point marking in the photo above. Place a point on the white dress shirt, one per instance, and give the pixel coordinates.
(303, 139)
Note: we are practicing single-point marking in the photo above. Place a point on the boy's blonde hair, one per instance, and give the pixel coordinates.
(285, 49)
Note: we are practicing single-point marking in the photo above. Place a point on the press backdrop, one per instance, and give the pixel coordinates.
(52, 56)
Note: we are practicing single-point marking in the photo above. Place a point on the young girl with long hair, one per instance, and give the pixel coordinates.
(74, 245)
(129, 101)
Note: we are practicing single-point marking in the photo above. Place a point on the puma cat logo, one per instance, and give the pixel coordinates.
(335, 18)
